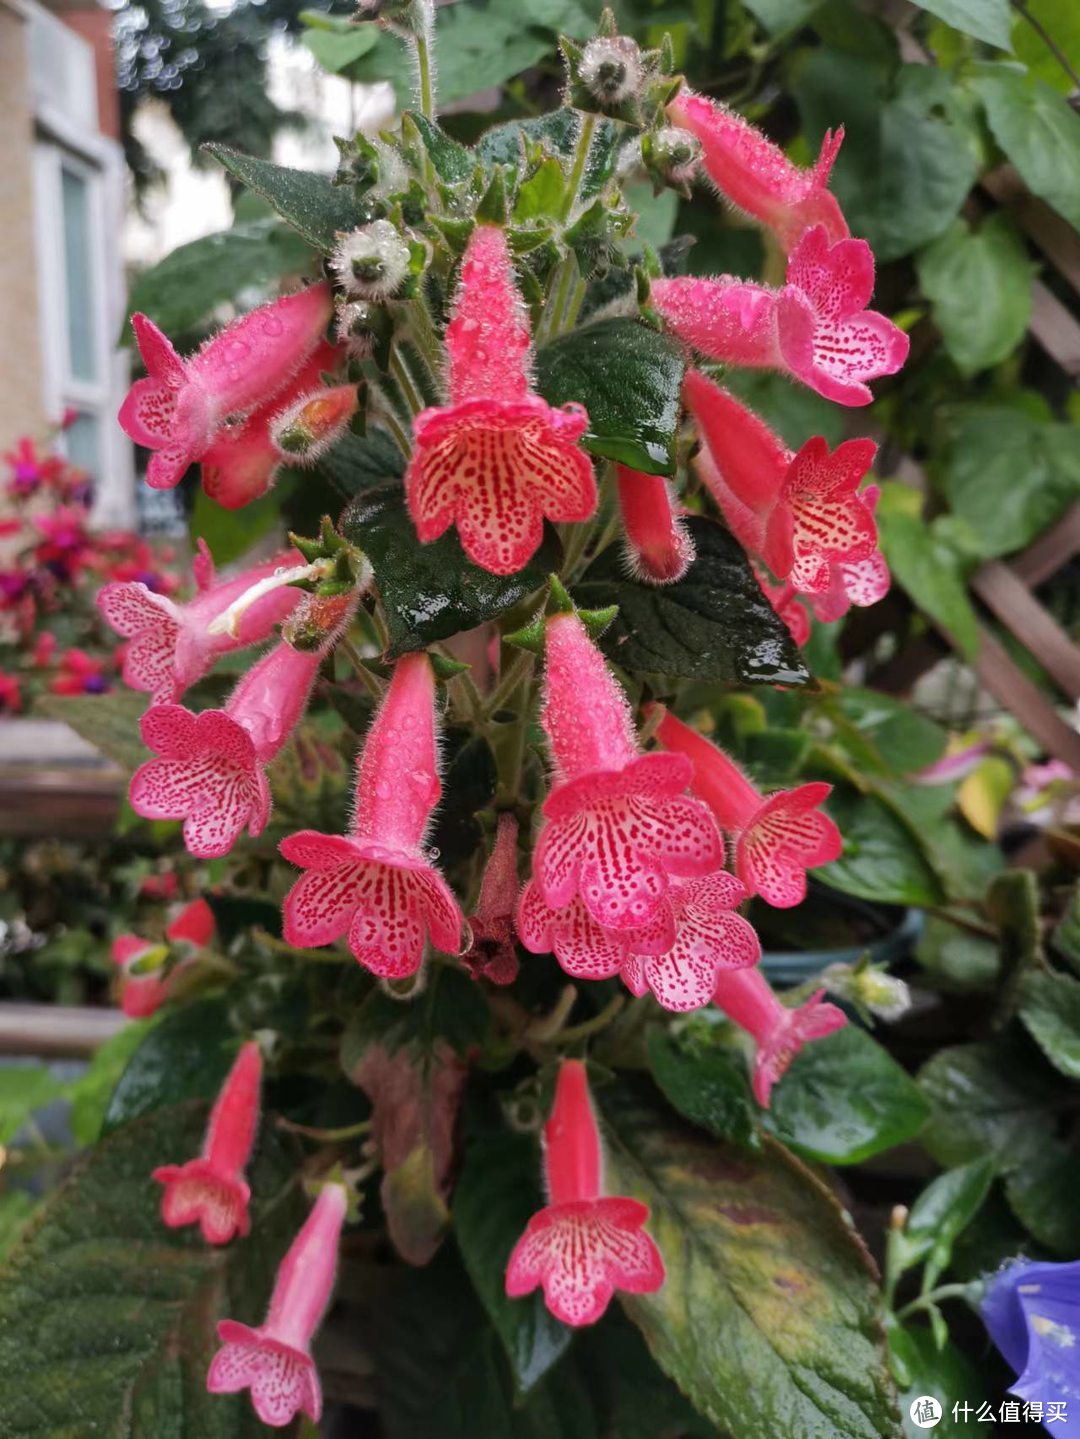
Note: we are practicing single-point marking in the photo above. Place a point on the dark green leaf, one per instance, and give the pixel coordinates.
(639, 1401)
(1012, 905)
(987, 20)
(108, 1318)
(769, 1318)
(337, 52)
(92, 1091)
(905, 739)
(845, 1099)
(930, 573)
(946, 1374)
(557, 131)
(497, 1194)
(794, 412)
(453, 162)
(942, 1212)
(1066, 937)
(979, 283)
(1042, 1194)
(963, 960)
(356, 463)
(109, 722)
(185, 1056)
(987, 1099)
(24, 1088)
(1050, 1010)
(629, 378)
(881, 860)
(715, 624)
(706, 1085)
(430, 592)
(314, 207)
(1038, 130)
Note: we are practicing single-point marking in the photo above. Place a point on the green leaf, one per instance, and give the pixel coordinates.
(186, 1055)
(946, 1374)
(1066, 936)
(232, 533)
(430, 592)
(314, 207)
(942, 1212)
(496, 1195)
(979, 283)
(987, 20)
(1007, 474)
(844, 1099)
(706, 1085)
(453, 162)
(780, 17)
(24, 1088)
(557, 131)
(1050, 1011)
(1039, 132)
(715, 624)
(962, 960)
(987, 1099)
(930, 573)
(337, 52)
(881, 860)
(17, 1207)
(92, 1091)
(541, 196)
(629, 379)
(1042, 1195)
(469, 777)
(641, 1403)
(905, 739)
(794, 412)
(1060, 19)
(108, 1318)
(910, 152)
(1012, 905)
(109, 722)
(769, 1319)
(181, 292)
(356, 463)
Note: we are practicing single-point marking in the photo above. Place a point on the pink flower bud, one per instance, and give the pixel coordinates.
(659, 549)
(492, 954)
(211, 1191)
(313, 422)
(778, 1032)
(143, 994)
(274, 1361)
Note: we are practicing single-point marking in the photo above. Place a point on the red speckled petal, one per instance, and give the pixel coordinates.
(169, 730)
(283, 1381)
(320, 906)
(195, 1194)
(865, 581)
(442, 915)
(148, 661)
(532, 920)
(311, 850)
(168, 467)
(787, 837)
(130, 608)
(147, 414)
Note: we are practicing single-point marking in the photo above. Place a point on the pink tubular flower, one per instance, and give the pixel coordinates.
(620, 825)
(658, 544)
(815, 328)
(778, 1032)
(274, 1361)
(492, 954)
(777, 838)
(582, 1246)
(210, 767)
(378, 885)
(179, 409)
(143, 994)
(756, 175)
(171, 644)
(709, 937)
(497, 460)
(211, 1191)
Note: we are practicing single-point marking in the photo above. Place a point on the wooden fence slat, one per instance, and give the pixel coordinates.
(1055, 329)
(1008, 683)
(1002, 591)
(1054, 548)
(1051, 232)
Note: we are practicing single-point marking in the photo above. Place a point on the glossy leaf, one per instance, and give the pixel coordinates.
(942, 1212)
(109, 722)
(922, 1368)
(557, 132)
(715, 624)
(629, 378)
(988, 1099)
(904, 739)
(881, 860)
(430, 592)
(314, 207)
(769, 1319)
(1042, 1194)
(987, 20)
(1066, 936)
(1039, 132)
(930, 573)
(1050, 1011)
(706, 1084)
(979, 284)
(186, 1055)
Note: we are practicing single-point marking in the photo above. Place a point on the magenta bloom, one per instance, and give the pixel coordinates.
(143, 994)
(682, 973)
(497, 460)
(816, 327)
(210, 767)
(659, 549)
(181, 406)
(620, 825)
(274, 1361)
(171, 646)
(492, 954)
(778, 1032)
(777, 838)
(378, 885)
(756, 176)
(211, 1191)
(582, 1246)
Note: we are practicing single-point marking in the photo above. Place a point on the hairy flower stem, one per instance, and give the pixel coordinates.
(402, 375)
(521, 667)
(363, 674)
(422, 333)
(581, 159)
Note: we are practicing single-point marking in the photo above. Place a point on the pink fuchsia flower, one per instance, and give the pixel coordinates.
(777, 837)
(80, 674)
(582, 1246)
(659, 549)
(778, 1032)
(44, 650)
(274, 1361)
(63, 550)
(29, 468)
(243, 462)
(179, 409)
(172, 645)
(620, 826)
(211, 1191)
(143, 994)
(815, 328)
(492, 954)
(709, 937)
(10, 694)
(497, 460)
(377, 885)
(210, 767)
(756, 176)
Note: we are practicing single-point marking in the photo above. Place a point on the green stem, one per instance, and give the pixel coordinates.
(400, 372)
(389, 419)
(933, 1296)
(424, 37)
(363, 674)
(515, 673)
(581, 159)
(599, 1021)
(422, 332)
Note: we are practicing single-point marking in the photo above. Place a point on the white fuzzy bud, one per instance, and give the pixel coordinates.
(372, 262)
(611, 69)
(870, 987)
(674, 154)
(353, 329)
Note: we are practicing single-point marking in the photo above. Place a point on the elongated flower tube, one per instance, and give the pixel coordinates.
(659, 549)
(778, 1032)
(179, 408)
(778, 837)
(682, 975)
(756, 176)
(377, 885)
(211, 1191)
(210, 767)
(582, 1246)
(274, 1360)
(619, 826)
(172, 645)
(497, 460)
(492, 954)
(816, 327)
(143, 994)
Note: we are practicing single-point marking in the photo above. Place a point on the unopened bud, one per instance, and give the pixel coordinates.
(611, 69)
(360, 326)
(309, 426)
(372, 262)
(671, 154)
(318, 620)
(869, 987)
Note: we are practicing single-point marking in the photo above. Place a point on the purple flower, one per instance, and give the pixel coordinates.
(1033, 1314)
